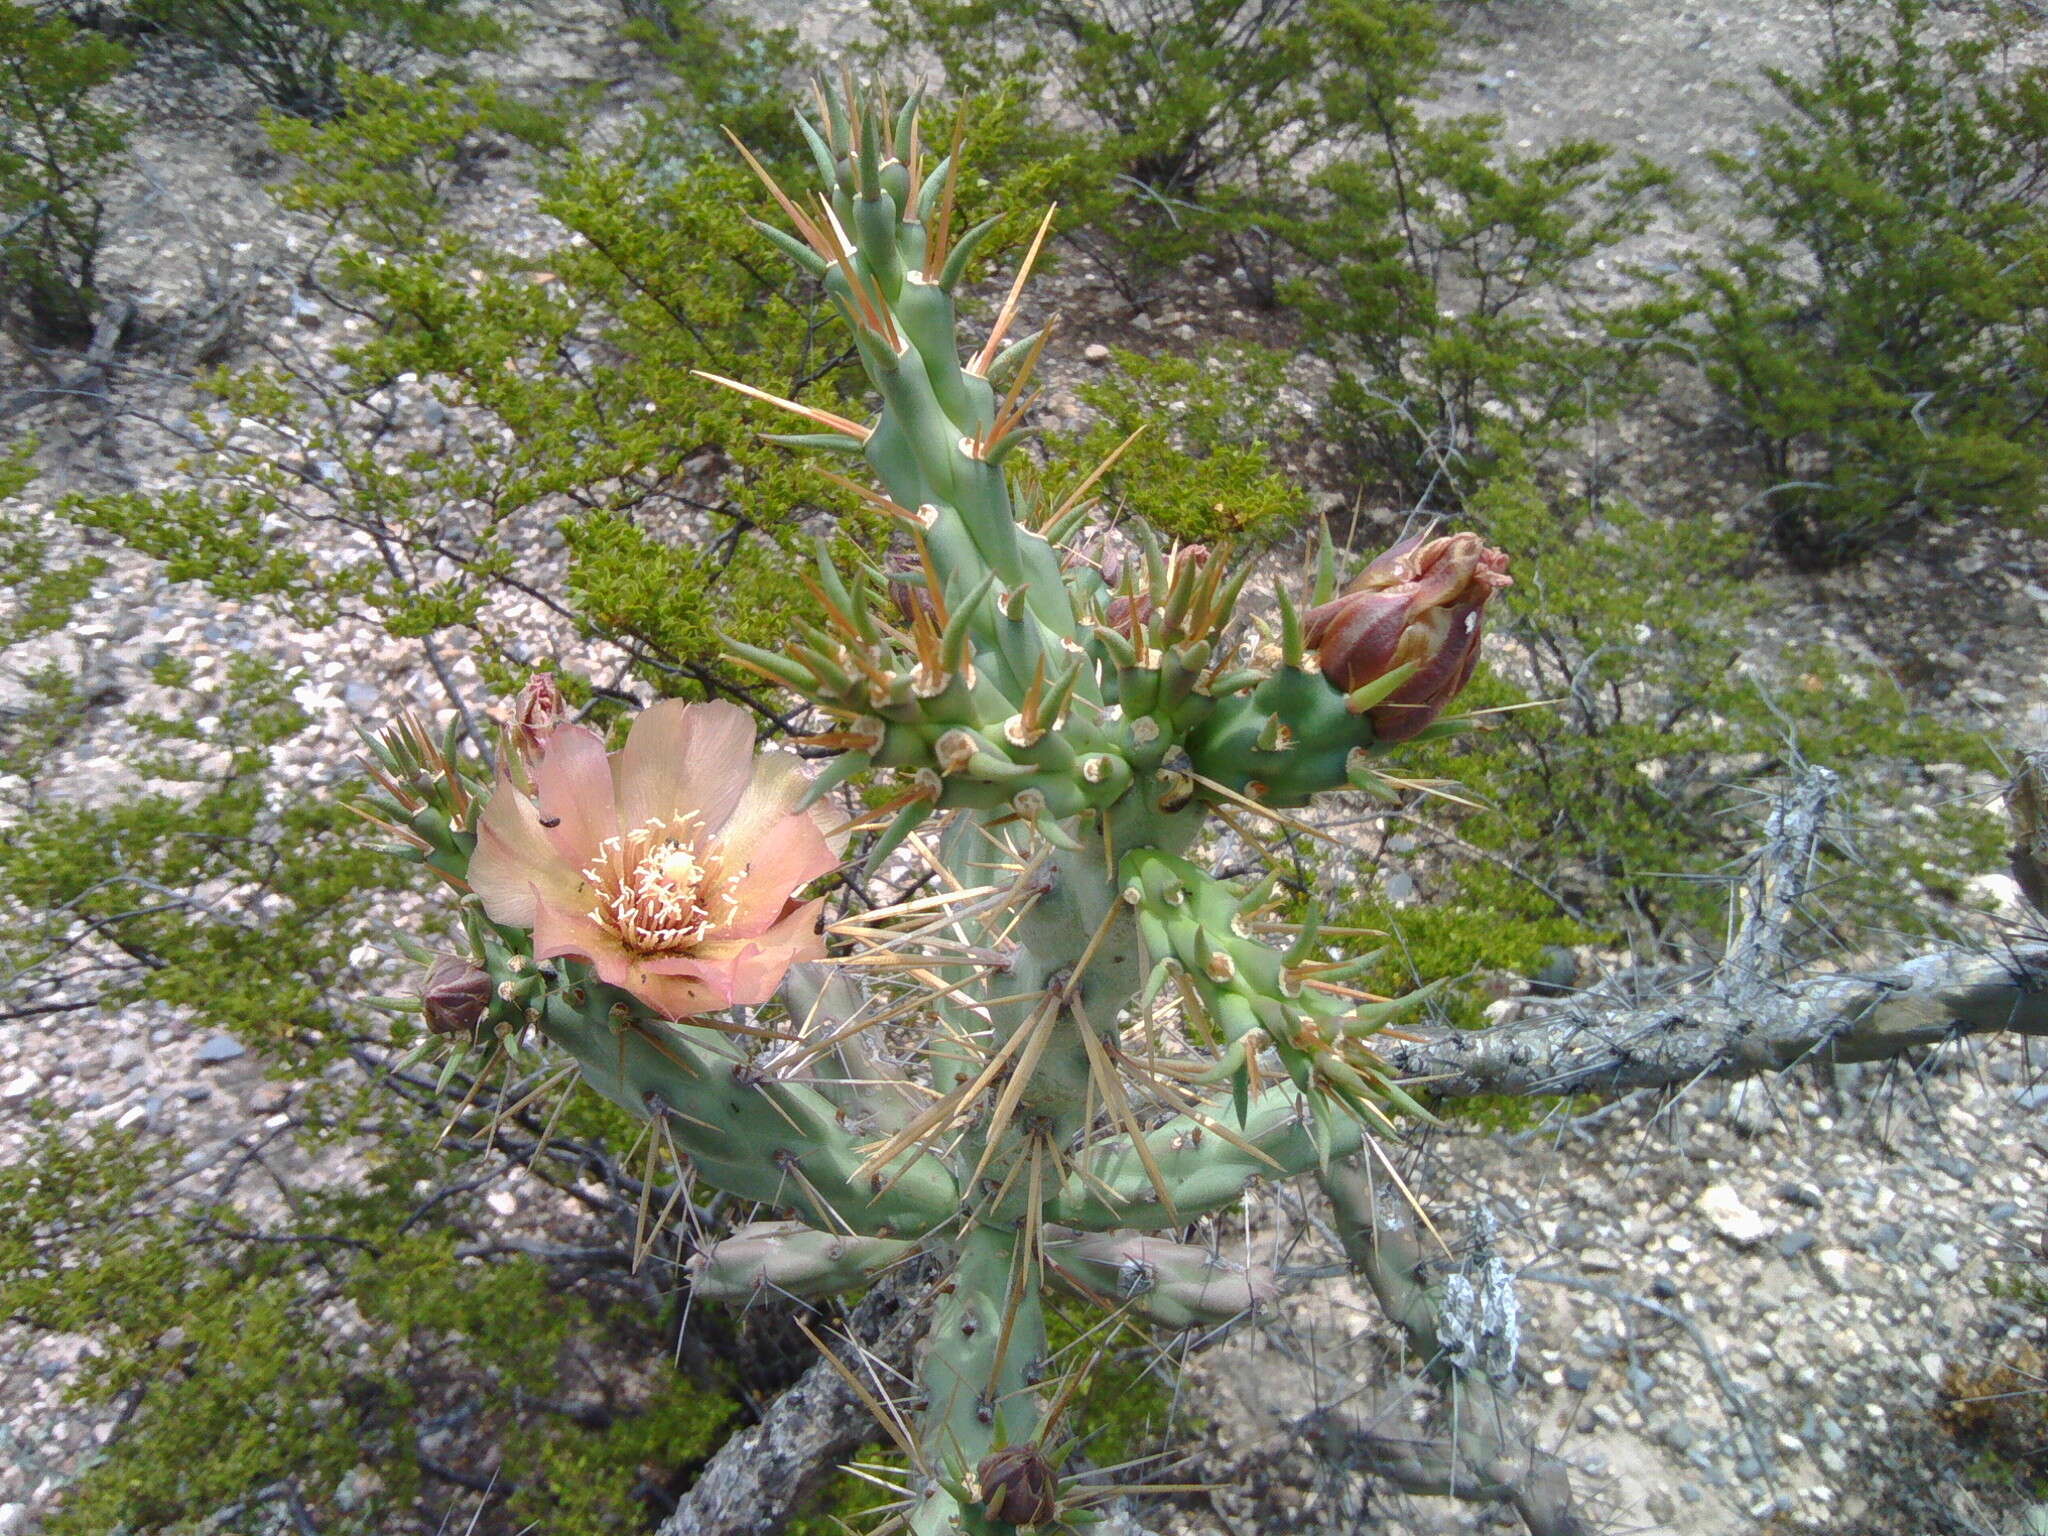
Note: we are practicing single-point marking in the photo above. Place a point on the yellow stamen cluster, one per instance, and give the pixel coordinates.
(662, 886)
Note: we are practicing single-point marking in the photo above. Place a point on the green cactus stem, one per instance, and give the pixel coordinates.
(791, 1258)
(1051, 737)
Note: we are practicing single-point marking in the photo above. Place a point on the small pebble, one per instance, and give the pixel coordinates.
(269, 1098)
(1731, 1218)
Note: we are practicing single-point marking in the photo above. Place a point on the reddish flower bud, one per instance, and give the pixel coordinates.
(1019, 1486)
(455, 997)
(1111, 566)
(1127, 615)
(538, 710)
(1422, 602)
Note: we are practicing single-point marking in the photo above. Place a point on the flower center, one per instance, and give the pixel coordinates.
(662, 886)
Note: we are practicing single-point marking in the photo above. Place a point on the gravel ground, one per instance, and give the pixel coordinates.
(1740, 1306)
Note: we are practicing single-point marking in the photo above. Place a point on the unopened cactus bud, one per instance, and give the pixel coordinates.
(454, 997)
(1422, 603)
(1126, 614)
(1111, 565)
(1019, 1486)
(539, 709)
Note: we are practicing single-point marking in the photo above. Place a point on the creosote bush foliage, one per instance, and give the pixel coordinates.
(1445, 278)
(1877, 327)
(57, 146)
(1195, 441)
(1192, 109)
(298, 54)
(252, 1408)
(670, 515)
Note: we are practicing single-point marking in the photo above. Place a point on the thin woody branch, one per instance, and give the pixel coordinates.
(1739, 1021)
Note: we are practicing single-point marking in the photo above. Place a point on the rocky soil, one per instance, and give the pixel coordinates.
(1740, 1310)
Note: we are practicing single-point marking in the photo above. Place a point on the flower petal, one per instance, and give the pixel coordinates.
(515, 858)
(685, 757)
(563, 928)
(675, 997)
(573, 780)
(790, 855)
(772, 793)
(745, 972)
(1357, 638)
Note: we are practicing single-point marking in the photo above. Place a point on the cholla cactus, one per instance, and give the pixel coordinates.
(1077, 1037)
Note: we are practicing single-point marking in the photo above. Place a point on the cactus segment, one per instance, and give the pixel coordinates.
(1249, 995)
(987, 1342)
(791, 1258)
(1175, 1285)
(963, 253)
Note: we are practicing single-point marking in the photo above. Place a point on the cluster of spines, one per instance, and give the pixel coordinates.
(1242, 997)
(423, 796)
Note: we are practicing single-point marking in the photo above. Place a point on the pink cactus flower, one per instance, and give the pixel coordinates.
(1423, 602)
(671, 866)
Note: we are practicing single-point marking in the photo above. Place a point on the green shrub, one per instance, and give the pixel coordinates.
(360, 1365)
(56, 148)
(1201, 467)
(733, 74)
(556, 445)
(1193, 110)
(345, 1352)
(1880, 327)
(43, 587)
(1445, 276)
(298, 53)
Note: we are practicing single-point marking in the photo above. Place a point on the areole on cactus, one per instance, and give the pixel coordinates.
(1089, 1037)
